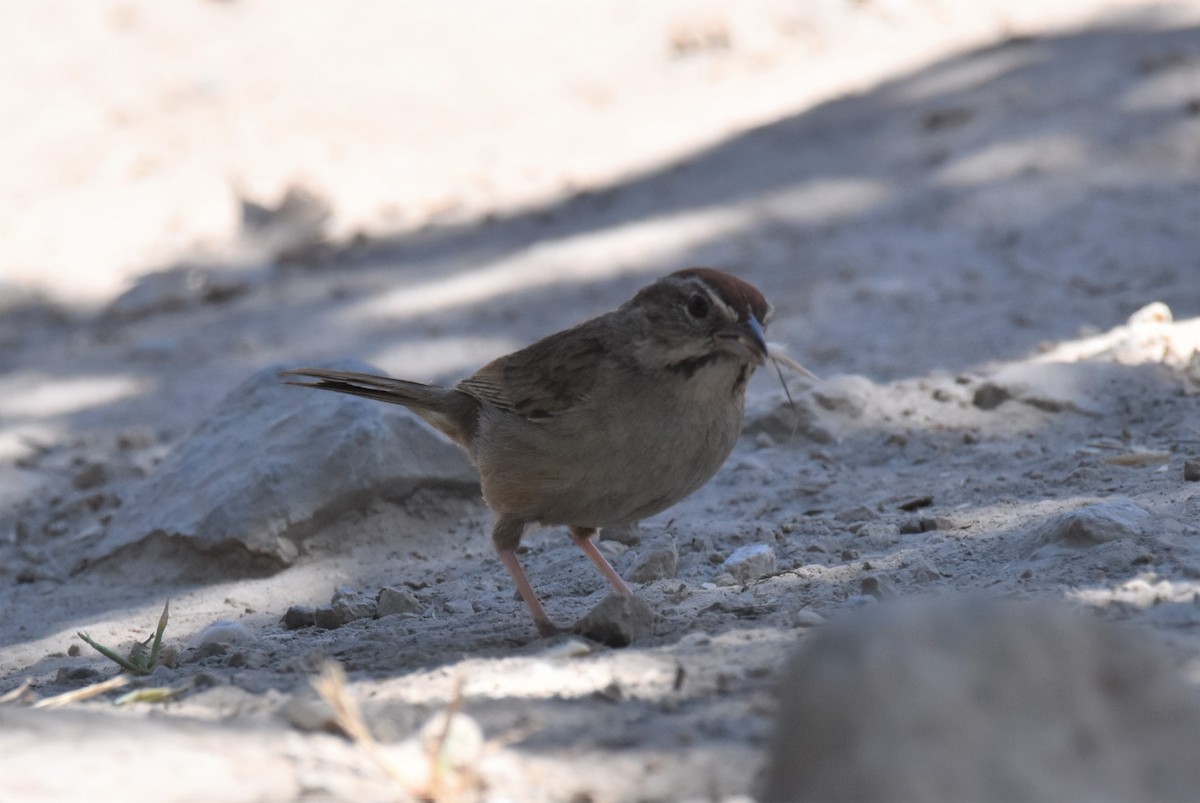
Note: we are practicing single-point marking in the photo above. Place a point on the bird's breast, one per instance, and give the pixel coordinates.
(631, 450)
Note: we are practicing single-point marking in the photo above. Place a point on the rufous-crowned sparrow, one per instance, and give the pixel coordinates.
(606, 423)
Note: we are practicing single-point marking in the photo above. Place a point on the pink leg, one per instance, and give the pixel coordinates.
(582, 537)
(545, 627)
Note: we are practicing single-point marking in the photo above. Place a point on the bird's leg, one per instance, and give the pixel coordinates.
(506, 536)
(582, 536)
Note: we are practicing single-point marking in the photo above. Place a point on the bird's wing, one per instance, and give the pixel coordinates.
(546, 379)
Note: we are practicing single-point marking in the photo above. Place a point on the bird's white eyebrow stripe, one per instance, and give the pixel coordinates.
(718, 302)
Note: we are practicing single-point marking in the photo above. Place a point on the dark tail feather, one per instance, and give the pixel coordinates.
(448, 410)
(380, 388)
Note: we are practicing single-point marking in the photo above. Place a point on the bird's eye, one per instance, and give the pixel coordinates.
(698, 306)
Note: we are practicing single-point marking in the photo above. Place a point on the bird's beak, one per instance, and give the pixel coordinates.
(752, 335)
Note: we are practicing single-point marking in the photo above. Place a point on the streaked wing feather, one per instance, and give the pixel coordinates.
(545, 379)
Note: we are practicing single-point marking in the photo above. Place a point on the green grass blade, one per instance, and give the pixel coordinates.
(158, 635)
(120, 660)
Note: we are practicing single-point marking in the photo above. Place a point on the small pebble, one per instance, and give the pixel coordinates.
(396, 600)
(349, 604)
(989, 396)
(223, 631)
(570, 648)
(878, 586)
(627, 534)
(618, 621)
(925, 572)
(806, 617)
(458, 607)
(915, 503)
(612, 550)
(209, 649)
(325, 618)
(1191, 470)
(310, 713)
(656, 565)
(92, 475)
(298, 616)
(750, 562)
(857, 514)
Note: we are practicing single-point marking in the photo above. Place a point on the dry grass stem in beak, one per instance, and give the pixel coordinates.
(781, 360)
(777, 355)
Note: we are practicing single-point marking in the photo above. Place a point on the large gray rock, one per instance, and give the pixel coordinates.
(1092, 525)
(964, 699)
(272, 462)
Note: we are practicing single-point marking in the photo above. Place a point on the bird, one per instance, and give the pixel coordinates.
(606, 423)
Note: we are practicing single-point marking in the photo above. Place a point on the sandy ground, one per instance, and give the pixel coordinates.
(955, 215)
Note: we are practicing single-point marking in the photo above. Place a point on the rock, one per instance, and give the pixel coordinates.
(922, 571)
(458, 607)
(298, 616)
(779, 420)
(915, 503)
(396, 600)
(289, 229)
(807, 617)
(965, 699)
(176, 289)
(92, 475)
(627, 534)
(878, 586)
(611, 550)
(618, 621)
(348, 605)
(1092, 525)
(989, 396)
(270, 463)
(1191, 470)
(656, 565)
(1082, 387)
(850, 396)
(326, 619)
(223, 631)
(750, 562)
(875, 534)
(208, 650)
(855, 514)
(307, 712)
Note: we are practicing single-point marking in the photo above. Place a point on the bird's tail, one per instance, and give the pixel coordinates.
(448, 410)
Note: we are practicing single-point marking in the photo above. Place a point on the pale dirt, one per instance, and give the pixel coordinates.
(927, 195)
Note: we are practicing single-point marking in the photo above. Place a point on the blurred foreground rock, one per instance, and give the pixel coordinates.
(271, 463)
(965, 699)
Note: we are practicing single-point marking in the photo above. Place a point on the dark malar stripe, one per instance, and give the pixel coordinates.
(691, 365)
